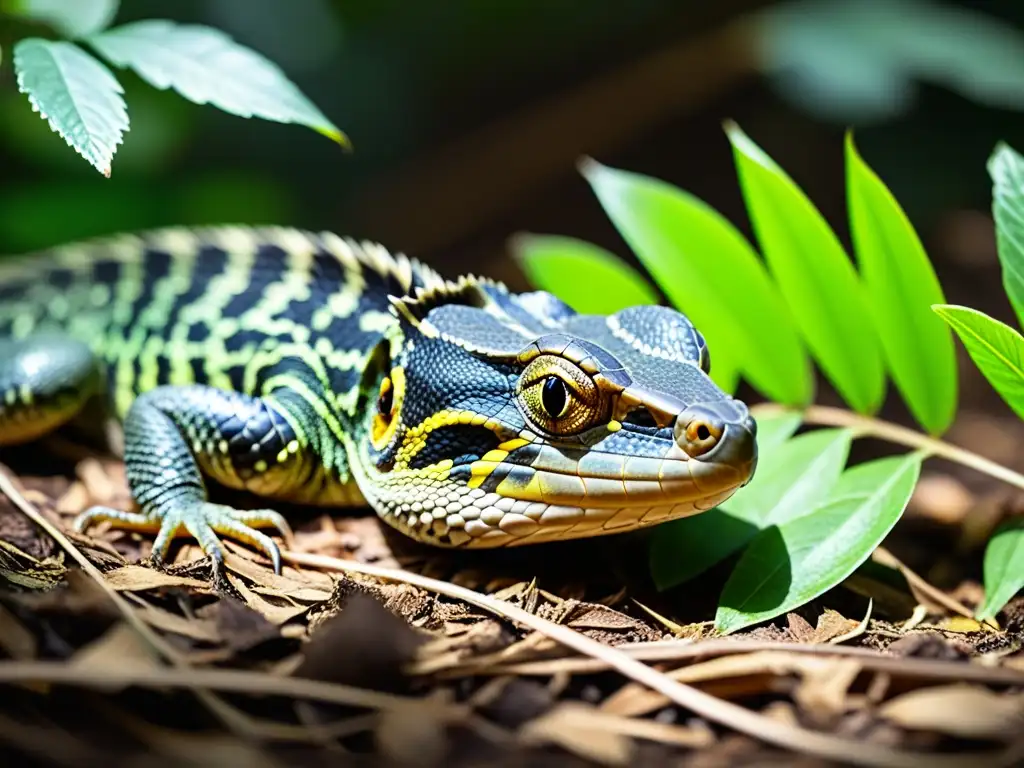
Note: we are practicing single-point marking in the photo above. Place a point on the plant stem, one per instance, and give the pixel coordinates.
(894, 433)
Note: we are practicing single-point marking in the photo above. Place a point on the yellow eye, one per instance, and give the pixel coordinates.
(558, 397)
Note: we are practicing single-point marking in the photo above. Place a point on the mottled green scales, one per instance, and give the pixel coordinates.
(313, 369)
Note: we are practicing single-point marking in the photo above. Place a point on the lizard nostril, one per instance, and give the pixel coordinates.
(700, 436)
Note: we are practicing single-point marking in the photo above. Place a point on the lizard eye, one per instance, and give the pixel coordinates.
(386, 398)
(554, 397)
(558, 397)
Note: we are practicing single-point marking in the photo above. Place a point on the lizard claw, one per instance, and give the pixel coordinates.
(202, 520)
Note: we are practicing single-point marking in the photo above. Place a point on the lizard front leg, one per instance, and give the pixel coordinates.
(176, 435)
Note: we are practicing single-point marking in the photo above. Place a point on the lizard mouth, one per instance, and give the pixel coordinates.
(546, 493)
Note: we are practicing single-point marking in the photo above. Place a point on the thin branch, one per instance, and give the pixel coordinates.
(679, 651)
(705, 705)
(824, 415)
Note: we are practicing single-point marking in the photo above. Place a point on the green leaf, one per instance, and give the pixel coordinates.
(71, 18)
(206, 66)
(557, 265)
(76, 94)
(709, 271)
(789, 564)
(996, 348)
(774, 430)
(814, 274)
(791, 479)
(901, 286)
(1006, 168)
(1004, 567)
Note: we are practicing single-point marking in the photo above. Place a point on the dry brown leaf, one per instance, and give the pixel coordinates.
(413, 735)
(120, 647)
(204, 630)
(275, 614)
(136, 578)
(968, 711)
(822, 693)
(574, 727)
(634, 699)
(19, 643)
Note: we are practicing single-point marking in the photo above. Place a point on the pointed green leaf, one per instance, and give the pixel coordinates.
(1004, 567)
(790, 480)
(774, 430)
(71, 18)
(76, 94)
(206, 66)
(996, 348)
(815, 276)
(583, 275)
(901, 287)
(709, 271)
(1006, 168)
(789, 564)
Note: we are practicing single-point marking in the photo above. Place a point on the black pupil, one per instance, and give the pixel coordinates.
(553, 396)
(384, 401)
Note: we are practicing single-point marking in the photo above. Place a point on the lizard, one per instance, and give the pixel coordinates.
(319, 370)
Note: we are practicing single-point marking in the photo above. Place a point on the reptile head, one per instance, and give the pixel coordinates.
(498, 419)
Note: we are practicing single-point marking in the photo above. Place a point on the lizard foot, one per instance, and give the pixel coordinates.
(202, 520)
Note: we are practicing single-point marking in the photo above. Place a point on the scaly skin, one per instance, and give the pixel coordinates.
(312, 369)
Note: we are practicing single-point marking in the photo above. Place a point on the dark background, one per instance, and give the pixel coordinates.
(468, 116)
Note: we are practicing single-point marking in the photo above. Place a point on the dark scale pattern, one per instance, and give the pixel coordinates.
(268, 265)
(683, 380)
(444, 377)
(191, 425)
(156, 267)
(478, 329)
(461, 443)
(60, 374)
(209, 261)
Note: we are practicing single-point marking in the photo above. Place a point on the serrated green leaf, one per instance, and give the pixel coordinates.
(709, 271)
(1004, 567)
(1006, 167)
(791, 480)
(583, 275)
(996, 348)
(76, 94)
(207, 67)
(901, 286)
(814, 275)
(71, 18)
(789, 564)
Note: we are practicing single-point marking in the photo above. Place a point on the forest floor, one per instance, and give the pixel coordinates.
(371, 650)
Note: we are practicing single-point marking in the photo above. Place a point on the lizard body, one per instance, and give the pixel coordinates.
(313, 369)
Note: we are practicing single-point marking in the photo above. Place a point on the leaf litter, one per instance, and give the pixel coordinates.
(353, 656)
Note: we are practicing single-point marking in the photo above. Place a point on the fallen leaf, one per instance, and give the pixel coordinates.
(967, 711)
(241, 627)
(137, 578)
(822, 692)
(270, 612)
(18, 642)
(573, 727)
(120, 647)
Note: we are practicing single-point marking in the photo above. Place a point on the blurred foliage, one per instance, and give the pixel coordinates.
(405, 79)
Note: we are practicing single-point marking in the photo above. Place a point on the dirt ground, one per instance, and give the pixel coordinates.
(376, 651)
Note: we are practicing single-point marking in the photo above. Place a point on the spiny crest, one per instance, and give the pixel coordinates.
(467, 290)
